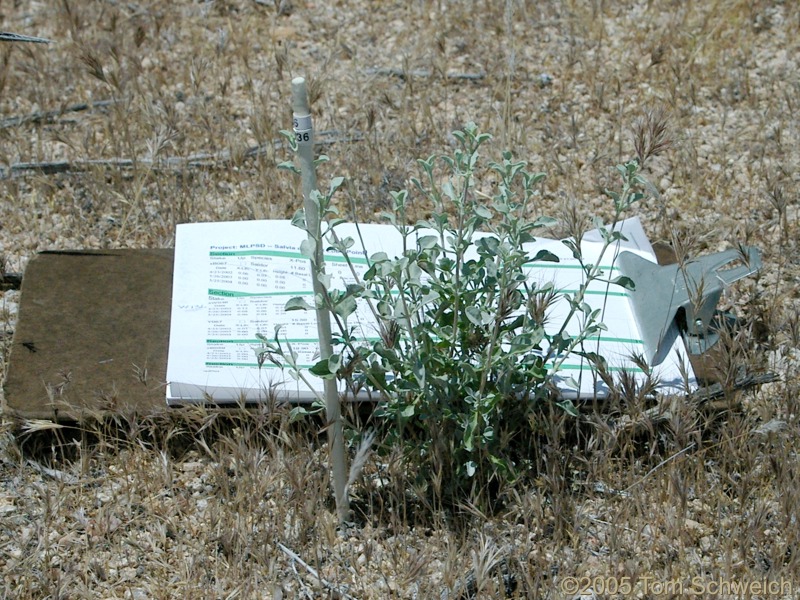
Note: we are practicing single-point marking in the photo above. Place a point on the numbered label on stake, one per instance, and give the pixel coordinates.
(302, 129)
(302, 137)
(301, 123)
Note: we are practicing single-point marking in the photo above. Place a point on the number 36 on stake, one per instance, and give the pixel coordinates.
(302, 128)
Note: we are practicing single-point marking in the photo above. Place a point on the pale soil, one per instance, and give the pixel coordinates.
(559, 84)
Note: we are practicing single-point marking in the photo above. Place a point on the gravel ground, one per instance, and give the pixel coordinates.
(99, 138)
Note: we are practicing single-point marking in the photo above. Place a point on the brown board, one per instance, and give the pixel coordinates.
(92, 334)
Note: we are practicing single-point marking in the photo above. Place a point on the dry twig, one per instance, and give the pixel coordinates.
(48, 116)
(422, 73)
(199, 160)
(315, 574)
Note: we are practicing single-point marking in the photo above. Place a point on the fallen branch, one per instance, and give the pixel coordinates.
(315, 574)
(56, 474)
(48, 116)
(404, 74)
(743, 381)
(199, 160)
(710, 399)
(6, 36)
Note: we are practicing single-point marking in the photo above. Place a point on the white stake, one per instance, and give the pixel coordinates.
(304, 134)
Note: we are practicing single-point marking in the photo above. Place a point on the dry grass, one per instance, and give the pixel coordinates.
(198, 505)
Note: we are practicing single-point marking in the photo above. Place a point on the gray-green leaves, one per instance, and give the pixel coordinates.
(464, 359)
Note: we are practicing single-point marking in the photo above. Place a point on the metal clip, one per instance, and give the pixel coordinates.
(672, 300)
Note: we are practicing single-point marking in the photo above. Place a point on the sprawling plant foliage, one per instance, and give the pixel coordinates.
(466, 357)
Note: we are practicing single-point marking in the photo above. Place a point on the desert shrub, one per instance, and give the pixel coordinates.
(466, 360)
